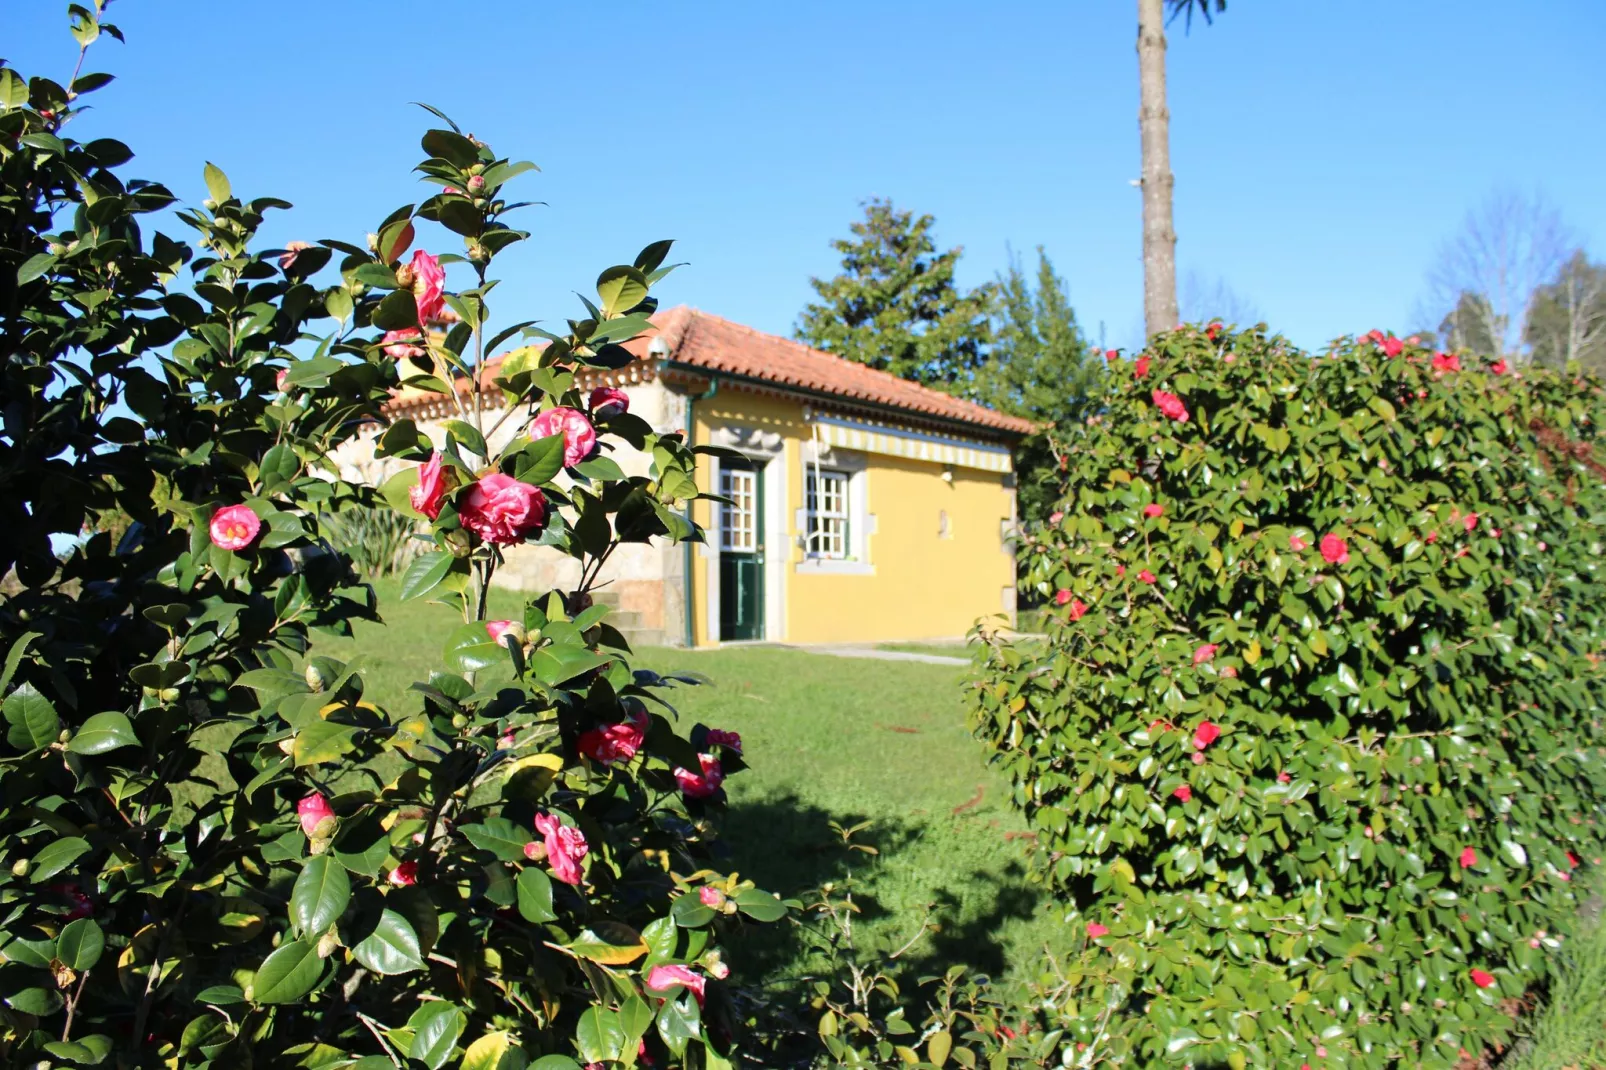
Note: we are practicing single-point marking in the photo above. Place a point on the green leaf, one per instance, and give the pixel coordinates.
(103, 732)
(661, 938)
(396, 310)
(424, 574)
(363, 845)
(680, 1021)
(452, 147)
(322, 742)
(610, 943)
(80, 944)
(35, 267)
(468, 435)
(535, 895)
(760, 905)
(288, 974)
(392, 948)
(499, 836)
(554, 1062)
(220, 995)
(559, 663)
(620, 288)
(57, 856)
(18, 649)
(30, 718)
(217, 183)
(396, 490)
(600, 1035)
(13, 90)
(469, 649)
(320, 895)
(435, 1027)
(494, 1051)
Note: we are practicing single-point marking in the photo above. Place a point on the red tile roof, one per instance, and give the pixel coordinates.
(717, 346)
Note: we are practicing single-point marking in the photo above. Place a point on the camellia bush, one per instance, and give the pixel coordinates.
(1314, 748)
(215, 849)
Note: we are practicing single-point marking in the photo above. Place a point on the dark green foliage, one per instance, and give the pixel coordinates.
(895, 306)
(214, 849)
(1567, 317)
(1375, 572)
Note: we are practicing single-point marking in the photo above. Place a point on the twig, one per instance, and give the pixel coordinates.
(373, 1027)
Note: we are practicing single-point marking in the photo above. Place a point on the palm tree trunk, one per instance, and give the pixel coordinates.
(1154, 128)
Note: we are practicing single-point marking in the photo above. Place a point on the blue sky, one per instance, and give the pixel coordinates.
(1321, 150)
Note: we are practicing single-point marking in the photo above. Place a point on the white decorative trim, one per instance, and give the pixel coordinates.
(916, 445)
(833, 567)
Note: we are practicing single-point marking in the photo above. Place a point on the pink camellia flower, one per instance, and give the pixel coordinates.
(1470, 521)
(1095, 930)
(720, 737)
(701, 785)
(1171, 405)
(476, 183)
(428, 494)
(404, 343)
(1212, 330)
(1482, 979)
(404, 875)
(1055, 517)
(287, 259)
(1184, 793)
(1296, 544)
(501, 510)
(498, 628)
(1431, 537)
(1062, 597)
(1146, 576)
(1153, 510)
(1393, 346)
(579, 437)
(1335, 551)
(615, 742)
(234, 527)
(1373, 335)
(1140, 368)
(662, 980)
(609, 401)
(1206, 734)
(1285, 778)
(1112, 355)
(709, 896)
(1446, 362)
(1572, 860)
(1120, 570)
(429, 286)
(1469, 858)
(313, 811)
(1078, 609)
(1205, 652)
(282, 380)
(1229, 672)
(565, 846)
(453, 191)
(1500, 367)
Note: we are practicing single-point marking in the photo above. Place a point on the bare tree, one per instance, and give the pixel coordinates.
(1209, 299)
(1484, 279)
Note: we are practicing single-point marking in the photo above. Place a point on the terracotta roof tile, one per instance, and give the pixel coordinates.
(714, 344)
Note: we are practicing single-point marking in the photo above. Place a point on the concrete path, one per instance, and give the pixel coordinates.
(881, 655)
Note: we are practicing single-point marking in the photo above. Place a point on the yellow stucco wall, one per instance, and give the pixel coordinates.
(924, 586)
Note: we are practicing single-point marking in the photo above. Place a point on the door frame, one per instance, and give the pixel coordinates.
(766, 451)
(759, 548)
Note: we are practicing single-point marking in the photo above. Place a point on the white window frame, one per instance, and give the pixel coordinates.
(828, 516)
(858, 523)
(732, 539)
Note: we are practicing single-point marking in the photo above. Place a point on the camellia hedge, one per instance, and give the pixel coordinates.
(1314, 748)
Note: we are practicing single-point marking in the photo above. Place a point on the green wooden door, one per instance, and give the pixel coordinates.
(741, 551)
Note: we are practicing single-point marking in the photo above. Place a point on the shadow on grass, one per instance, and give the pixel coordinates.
(787, 845)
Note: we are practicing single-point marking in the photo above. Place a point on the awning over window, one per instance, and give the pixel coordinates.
(915, 445)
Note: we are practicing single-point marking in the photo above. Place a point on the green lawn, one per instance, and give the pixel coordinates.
(827, 738)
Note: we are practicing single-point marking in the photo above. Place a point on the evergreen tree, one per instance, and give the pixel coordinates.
(895, 307)
(1041, 367)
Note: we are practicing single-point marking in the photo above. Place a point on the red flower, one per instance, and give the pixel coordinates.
(701, 785)
(314, 811)
(1392, 346)
(609, 401)
(1120, 570)
(665, 979)
(82, 905)
(615, 742)
(1572, 860)
(1171, 405)
(1229, 672)
(1078, 609)
(1141, 368)
(1055, 517)
(565, 846)
(709, 896)
(429, 286)
(234, 527)
(1284, 778)
(1062, 597)
(404, 875)
(1335, 551)
(1374, 335)
(731, 741)
(1146, 576)
(1470, 522)
(1212, 330)
(1296, 544)
(498, 628)
(501, 510)
(1184, 793)
(429, 492)
(1206, 734)
(1095, 930)
(1446, 362)
(1482, 979)
(1153, 510)
(579, 437)
(1112, 355)
(403, 343)
(1469, 858)
(1205, 652)
(1500, 367)
(282, 380)
(1431, 538)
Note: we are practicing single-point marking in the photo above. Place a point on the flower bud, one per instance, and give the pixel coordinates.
(406, 276)
(458, 543)
(476, 170)
(21, 867)
(327, 943)
(209, 204)
(314, 678)
(373, 243)
(476, 183)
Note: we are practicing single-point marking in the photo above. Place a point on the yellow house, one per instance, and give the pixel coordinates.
(864, 508)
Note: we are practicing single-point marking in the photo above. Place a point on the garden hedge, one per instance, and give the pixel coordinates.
(1313, 749)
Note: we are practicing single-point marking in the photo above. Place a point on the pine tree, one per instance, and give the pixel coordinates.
(895, 306)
